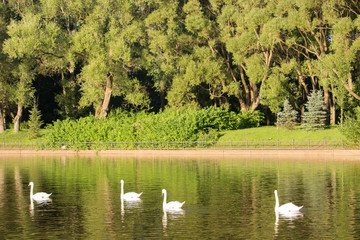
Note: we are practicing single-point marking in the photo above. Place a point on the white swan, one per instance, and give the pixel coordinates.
(287, 208)
(171, 206)
(130, 196)
(40, 196)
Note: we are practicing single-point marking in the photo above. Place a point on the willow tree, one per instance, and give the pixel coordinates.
(5, 67)
(68, 15)
(337, 72)
(201, 78)
(167, 43)
(208, 70)
(36, 43)
(109, 42)
(23, 38)
(306, 29)
(340, 67)
(252, 37)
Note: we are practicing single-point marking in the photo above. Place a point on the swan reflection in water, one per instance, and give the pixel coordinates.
(172, 215)
(129, 205)
(286, 217)
(39, 203)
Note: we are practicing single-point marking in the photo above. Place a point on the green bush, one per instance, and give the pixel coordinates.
(166, 126)
(351, 128)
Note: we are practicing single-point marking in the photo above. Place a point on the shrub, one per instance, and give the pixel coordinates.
(247, 119)
(351, 128)
(166, 126)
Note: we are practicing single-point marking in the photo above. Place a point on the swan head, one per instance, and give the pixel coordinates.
(31, 184)
(122, 181)
(163, 192)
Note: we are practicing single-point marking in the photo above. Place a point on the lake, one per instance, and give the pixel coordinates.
(224, 199)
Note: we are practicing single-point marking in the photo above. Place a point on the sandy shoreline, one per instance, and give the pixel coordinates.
(206, 154)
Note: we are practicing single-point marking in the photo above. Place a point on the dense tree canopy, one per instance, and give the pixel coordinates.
(157, 54)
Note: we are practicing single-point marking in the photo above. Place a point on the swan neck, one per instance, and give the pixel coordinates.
(31, 190)
(122, 189)
(277, 204)
(164, 202)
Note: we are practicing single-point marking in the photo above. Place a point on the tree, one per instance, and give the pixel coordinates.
(252, 39)
(167, 42)
(5, 67)
(239, 54)
(23, 92)
(110, 44)
(340, 68)
(323, 38)
(34, 45)
(35, 121)
(288, 117)
(315, 116)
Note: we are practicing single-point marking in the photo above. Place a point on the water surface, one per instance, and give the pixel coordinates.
(225, 198)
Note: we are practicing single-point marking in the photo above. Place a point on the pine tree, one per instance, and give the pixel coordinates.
(35, 121)
(288, 117)
(315, 116)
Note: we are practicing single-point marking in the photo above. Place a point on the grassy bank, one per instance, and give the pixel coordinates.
(273, 133)
(250, 134)
(21, 137)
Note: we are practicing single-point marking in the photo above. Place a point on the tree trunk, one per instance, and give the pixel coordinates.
(106, 102)
(268, 117)
(245, 86)
(349, 87)
(332, 114)
(342, 117)
(330, 104)
(256, 92)
(17, 118)
(302, 82)
(242, 103)
(162, 95)
(2, 122)
(333, 110)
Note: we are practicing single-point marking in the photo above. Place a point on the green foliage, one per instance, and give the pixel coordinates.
(159, 54)
(167, 126)
(288, 117)
(351, 128)
(315, 116)
(34, 122)
(247, 119)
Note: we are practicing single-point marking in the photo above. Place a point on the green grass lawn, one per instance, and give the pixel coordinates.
(21, 137)
(272, 133)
